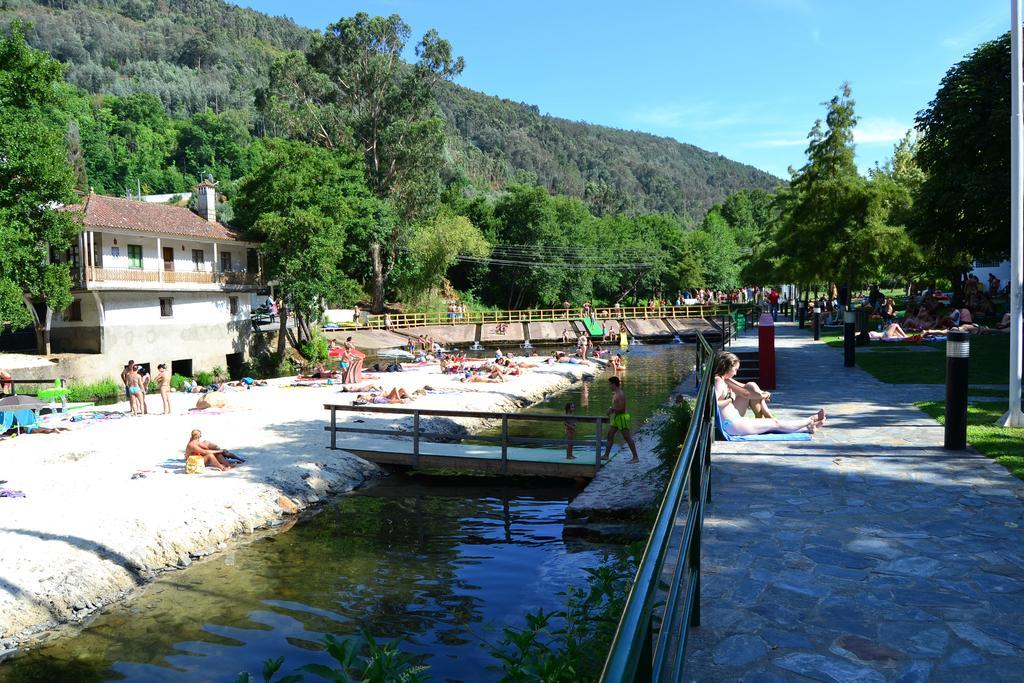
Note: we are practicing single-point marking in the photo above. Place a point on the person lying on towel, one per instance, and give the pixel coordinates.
(735, 424)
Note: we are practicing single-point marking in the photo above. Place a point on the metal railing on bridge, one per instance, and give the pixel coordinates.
(637, 652)
(538, 458)
(536, 315)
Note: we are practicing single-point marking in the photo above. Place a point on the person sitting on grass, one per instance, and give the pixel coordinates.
(213, 455)
(891, 331)
(735, 424)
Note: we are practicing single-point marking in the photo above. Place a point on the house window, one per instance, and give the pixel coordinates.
(115, 252)
(233, 305)
(166, 308)
(134, 255)
(225, 262)
(199, 260)
(73, 313)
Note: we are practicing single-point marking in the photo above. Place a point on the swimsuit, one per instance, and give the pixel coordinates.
(621, 421)
(133, 390)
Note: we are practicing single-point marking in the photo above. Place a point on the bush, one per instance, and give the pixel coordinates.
(204, 378)
(108, 388)
(265, 366)
(177, 381)
(218, 374)
(315, 350)
(357, 659)
(673, 431)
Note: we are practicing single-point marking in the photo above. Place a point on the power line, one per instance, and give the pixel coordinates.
(564, 265)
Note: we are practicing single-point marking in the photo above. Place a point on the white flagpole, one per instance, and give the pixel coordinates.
(1013, 417)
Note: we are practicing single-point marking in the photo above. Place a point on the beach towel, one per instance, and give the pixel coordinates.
(797, 436)
(6, 421)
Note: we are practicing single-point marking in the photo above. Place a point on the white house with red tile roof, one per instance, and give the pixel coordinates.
(157, 283)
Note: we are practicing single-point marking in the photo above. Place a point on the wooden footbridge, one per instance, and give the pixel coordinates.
(418, 446)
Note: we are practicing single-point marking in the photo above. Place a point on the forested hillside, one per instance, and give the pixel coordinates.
(206, 54)
(613, 170)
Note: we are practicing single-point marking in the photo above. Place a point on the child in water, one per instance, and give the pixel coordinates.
(570, 429)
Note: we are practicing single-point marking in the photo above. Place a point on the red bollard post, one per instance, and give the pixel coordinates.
(766, 351)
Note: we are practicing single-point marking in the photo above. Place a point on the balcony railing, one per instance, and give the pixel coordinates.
(140, 275)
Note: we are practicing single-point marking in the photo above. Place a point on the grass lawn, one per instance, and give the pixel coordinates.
(1005, 445)
(991, 393)
(897, 364)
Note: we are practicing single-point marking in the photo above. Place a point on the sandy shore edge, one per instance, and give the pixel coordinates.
(87, 534)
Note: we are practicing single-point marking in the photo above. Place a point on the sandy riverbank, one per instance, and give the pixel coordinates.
(86, 533)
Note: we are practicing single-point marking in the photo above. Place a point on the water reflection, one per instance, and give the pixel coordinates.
(440, 562)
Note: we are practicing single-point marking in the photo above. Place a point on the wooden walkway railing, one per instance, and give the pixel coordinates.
(401, 320)
(595, 442)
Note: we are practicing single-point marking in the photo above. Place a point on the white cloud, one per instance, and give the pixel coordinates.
(870, 130)
(704, 116)
(984, 29)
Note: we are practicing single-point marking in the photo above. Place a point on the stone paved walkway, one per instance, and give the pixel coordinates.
(870, 554)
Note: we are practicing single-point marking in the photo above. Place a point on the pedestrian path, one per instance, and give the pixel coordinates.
(870, 554)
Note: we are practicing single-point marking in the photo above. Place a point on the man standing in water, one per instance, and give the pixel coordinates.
(620, 421)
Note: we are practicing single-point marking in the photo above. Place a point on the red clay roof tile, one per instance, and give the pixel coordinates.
(129, 214)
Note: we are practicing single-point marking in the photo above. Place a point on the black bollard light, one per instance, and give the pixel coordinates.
(958, 353)
(802, 313)
(849, 338)
(816, 323)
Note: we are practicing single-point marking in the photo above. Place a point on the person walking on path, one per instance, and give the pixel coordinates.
(620, 421)
(773, 304)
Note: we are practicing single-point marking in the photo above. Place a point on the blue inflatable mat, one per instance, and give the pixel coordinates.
(796, 436)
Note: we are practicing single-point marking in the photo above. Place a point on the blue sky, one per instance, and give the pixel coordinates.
(744, 78)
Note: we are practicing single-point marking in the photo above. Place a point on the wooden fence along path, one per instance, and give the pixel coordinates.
(392, 320)
(419, 448)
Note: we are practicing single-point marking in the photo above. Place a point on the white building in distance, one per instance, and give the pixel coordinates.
(156, 283)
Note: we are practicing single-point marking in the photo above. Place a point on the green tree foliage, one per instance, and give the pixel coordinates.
(493, 141)
(834, 225)
(353, 88)
(192, 54)
(551, 249)
(716, 250)
(435, 247)
(34, 177)
(748, 213)
(304, 202)
(963, 210)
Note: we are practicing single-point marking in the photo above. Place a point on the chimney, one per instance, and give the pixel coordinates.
(206, 199)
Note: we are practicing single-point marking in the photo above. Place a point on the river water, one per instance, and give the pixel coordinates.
(444, 562)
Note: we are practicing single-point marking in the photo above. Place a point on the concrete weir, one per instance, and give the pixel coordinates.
(517, 333)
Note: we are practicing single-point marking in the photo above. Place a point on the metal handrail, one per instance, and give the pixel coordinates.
(505, 440)
(636, 653)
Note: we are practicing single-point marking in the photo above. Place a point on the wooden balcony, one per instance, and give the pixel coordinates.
(118, 277)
